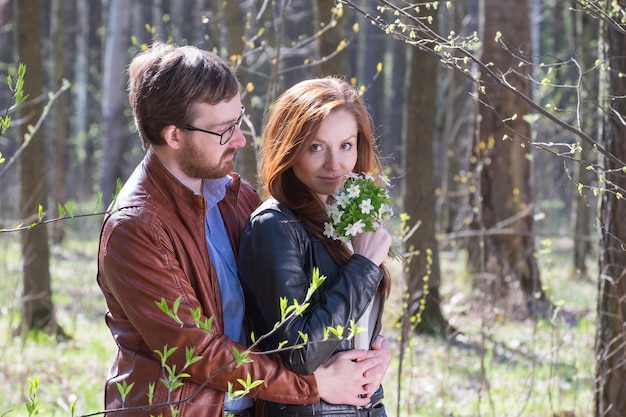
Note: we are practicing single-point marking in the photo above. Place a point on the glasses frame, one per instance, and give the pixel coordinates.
(230, 130)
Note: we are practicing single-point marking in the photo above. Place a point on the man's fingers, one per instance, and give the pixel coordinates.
(375, 372)
(353, 355)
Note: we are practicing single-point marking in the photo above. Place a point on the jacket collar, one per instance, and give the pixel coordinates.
(176, 192)
(165, 182)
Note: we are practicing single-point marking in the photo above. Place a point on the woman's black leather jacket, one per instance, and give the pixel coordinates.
(276, 260)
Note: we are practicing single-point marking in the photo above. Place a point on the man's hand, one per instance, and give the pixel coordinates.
(381, 355)
(341, 379)
(351, 377)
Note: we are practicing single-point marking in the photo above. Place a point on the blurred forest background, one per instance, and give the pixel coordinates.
(502, 124)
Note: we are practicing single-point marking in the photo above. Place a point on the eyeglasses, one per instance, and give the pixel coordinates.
(226, 135)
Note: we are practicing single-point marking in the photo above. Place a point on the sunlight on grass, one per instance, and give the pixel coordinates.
(70, 370)
(503, 365)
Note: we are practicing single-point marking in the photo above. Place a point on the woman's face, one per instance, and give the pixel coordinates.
(330, 156)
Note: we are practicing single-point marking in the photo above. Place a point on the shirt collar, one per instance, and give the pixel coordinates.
(214, 189)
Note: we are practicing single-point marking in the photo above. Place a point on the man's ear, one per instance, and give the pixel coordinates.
(171, 136)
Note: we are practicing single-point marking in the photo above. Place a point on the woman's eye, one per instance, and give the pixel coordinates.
(316, 147)
(346, 146)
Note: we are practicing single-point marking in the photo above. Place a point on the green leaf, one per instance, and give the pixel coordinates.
(165, 354)
(69, 208)
(171, 312)
(190, 359)
(124, 389)
(61, 210)
(241, 357)
(150, 394)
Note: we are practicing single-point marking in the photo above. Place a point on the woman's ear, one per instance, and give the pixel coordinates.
(171, 136)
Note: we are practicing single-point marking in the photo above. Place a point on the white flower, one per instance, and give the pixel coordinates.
(342, 199)
(366, 206)
(353, 190)
(359, 203)
(384, 179)
(331, 209)
(355, 229)
(329, 230)
(385, 211)
(336, 215)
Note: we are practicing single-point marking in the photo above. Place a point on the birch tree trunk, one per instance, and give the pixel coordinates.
(233, 15)
(59, 149)
(114, 97)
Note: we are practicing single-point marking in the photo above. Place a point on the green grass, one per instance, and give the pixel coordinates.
(505, 364)
(72, 370)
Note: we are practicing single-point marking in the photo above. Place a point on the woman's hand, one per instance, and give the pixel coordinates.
(373, 245)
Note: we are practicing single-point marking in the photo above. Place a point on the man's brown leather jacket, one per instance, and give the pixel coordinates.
(152, 247)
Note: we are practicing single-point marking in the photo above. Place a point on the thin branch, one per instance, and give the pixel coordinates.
(32, 131)
(439, 46)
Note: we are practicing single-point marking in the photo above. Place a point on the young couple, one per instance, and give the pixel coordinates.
(185, 227)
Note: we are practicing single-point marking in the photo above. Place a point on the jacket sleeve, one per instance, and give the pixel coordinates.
(138, 267)
(273, 259)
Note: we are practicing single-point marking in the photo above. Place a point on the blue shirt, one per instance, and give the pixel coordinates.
(225, 264)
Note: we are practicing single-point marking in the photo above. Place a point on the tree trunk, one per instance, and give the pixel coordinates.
(423, 277)
(37, 308)
(585, 30)
(79, 174)
(394, 114)
(298, 25)
(455, 113)
(610, 341)
(503, 163)
(583, 206)
(372, 46)
(114, 97)
(9, 182)
(330, 41)
(59, 148)
(246, 162)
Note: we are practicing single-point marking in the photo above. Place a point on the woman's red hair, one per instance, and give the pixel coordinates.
(291, 125)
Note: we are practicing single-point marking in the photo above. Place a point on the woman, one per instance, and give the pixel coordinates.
(317, 132)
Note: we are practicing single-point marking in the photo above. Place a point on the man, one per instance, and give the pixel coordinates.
(172, 237)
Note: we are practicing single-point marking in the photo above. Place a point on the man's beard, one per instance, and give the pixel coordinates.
(194, 165)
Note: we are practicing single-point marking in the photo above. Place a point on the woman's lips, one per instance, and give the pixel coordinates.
(331, 180)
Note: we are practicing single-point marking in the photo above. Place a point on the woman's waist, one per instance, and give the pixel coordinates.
(324, 408)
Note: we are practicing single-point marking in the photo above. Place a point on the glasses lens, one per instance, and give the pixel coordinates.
(228, 134)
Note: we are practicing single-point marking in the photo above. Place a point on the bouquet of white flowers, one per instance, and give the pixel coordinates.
(357, 206)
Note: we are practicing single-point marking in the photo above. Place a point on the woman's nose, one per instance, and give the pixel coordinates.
(331, 162)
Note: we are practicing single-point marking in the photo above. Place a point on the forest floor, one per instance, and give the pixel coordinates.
(502, 363)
